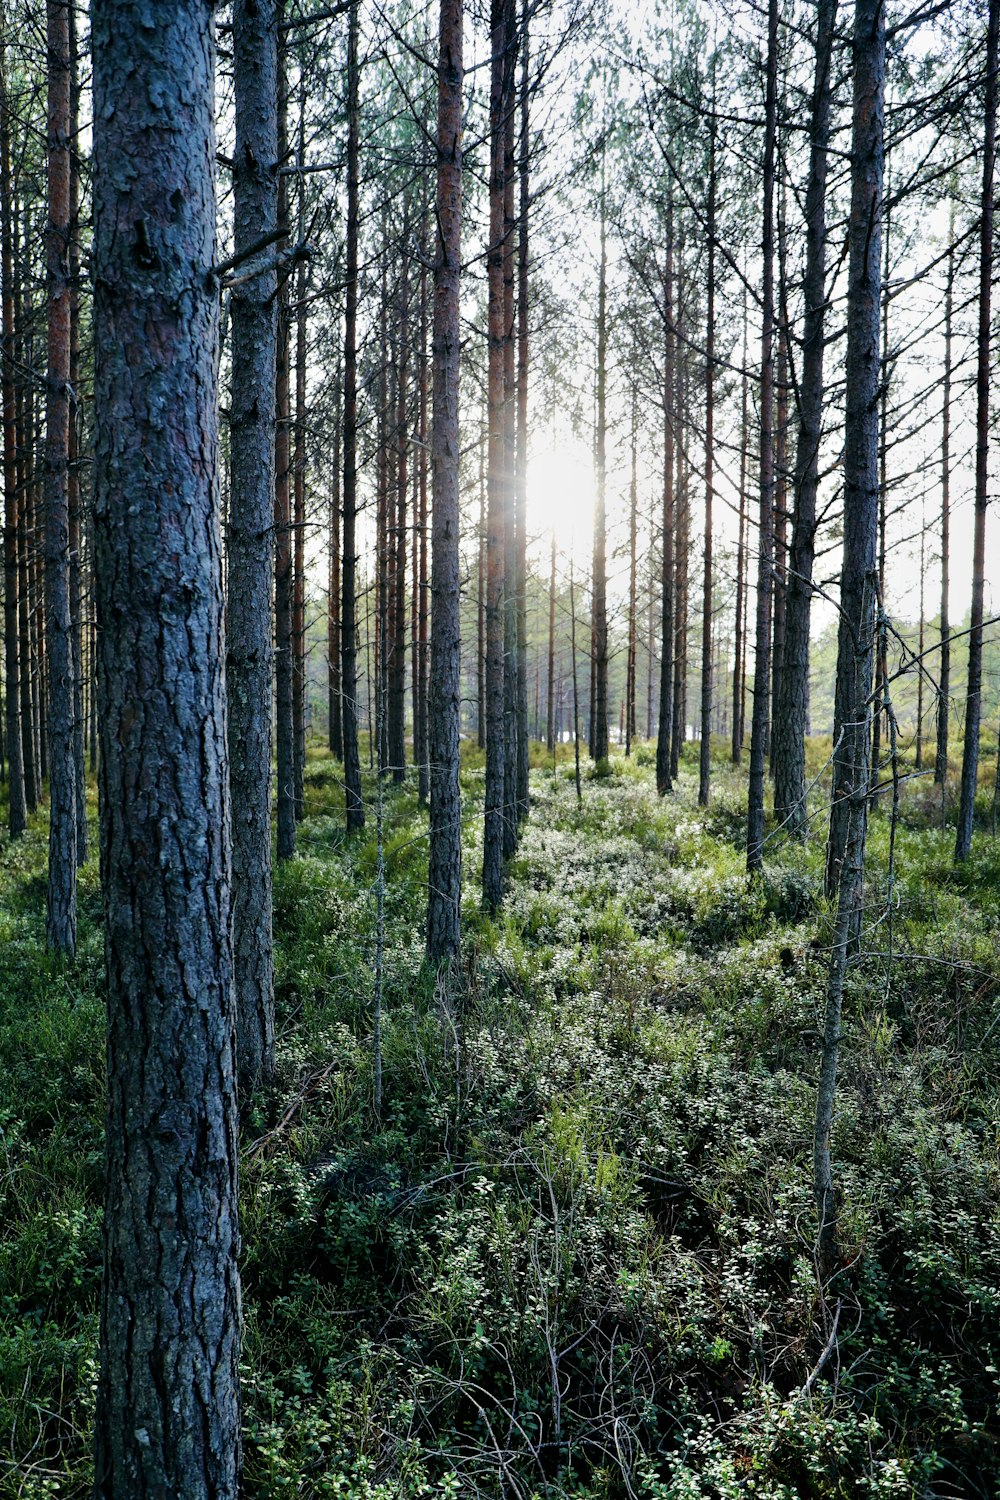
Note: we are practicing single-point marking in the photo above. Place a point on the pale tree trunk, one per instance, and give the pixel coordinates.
(349, 625)
(249, 660)
(762, 654)
(793, 696)
(550, 684)
(13, 665)
(60, 924)
(167, 1420)
(444, 706)
(973, 700)
(856, 645)
(633, 500)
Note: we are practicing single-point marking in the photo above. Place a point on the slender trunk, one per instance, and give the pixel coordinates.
(944, 681)
(299, 505)
(168, 1420)
(705, 757)
(420, 655)
(550, 732)
(481, 598)
(60, 924)
(973, 701)
(510, 653)
(445, 869)
(396, 661)
(495, 530)
(283, 573)
(919, 751)
(780, 572)
(599, 728)
(73, 491)
(858, 580)
(249, 658)
(761, 674)
(665, 770)
(632, 635)
(790, 725)
(335, 723)
(521, 480)
(881, 662)
(13, 662)
(576, 690)
(741, 551)
(349, 627)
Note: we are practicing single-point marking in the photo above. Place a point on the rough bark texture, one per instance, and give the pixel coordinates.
(944, 678)
(494, 800)
(445, 866)
(17, 811)
(521, 495)
(73, 490)
(510, 818)
(349, 627)
(762, 654)
(249, 660)
(283, 572)
(299, 510)
(856, 644)
(793, 696)
(60, 922)
(973, 701)
(167, 1419)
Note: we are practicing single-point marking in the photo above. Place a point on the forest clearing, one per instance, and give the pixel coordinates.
(576, 1253)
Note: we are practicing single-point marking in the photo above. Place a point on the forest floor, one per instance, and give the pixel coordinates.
(575, 1256)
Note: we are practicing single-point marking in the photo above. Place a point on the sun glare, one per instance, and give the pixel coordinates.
(561, 494)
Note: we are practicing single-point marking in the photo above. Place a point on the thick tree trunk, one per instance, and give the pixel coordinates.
(495, 725)
(793, 697)
(355, 807)
(856, 645)
(167, 1420)
(13, 663)
(973, 699)
(445, 866)
(60, 924)
(762, 653)
(250, 562)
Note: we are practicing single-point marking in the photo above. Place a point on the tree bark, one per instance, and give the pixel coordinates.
(13, 665)
(944, 681)
(599, 727)
(60, 923)
(793, 696)
(249, 660)
(335, 723)
(521, 461)
(705, 756)
(355, 808)
(283, 572)
(167, 1420)
(444, 706)
(973, 699)
(298, 643)
(856, 645)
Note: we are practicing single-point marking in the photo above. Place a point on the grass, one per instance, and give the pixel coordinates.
(575, 1255)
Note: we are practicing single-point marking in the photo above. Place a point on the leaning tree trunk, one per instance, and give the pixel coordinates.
(789, 730)
(444, 883)
(973, 700)
(858, 586)
(761, 671)
(168, 1421)
(60, 924)
(249, 660)
(355, 808)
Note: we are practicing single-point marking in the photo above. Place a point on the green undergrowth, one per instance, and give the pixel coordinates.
(575, 1255)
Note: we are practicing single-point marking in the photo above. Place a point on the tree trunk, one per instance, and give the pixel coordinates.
(444, 706)
(75, 507)
(793, 698)
(420, 652)
(741, 552)
(510, 656)
(495, 725)
(60, 924)
(633, 500)
(167, 1419)
(250, 559)
(355, 807)
(705, 757)
(13, 663)
(599, 728)
(856, 644)
(973, 701)
(762, 654)
(335, 723)
(283, 577)
(298, 641)
(521, 494)
(665, 770)
(550, 729)
(944, 681)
